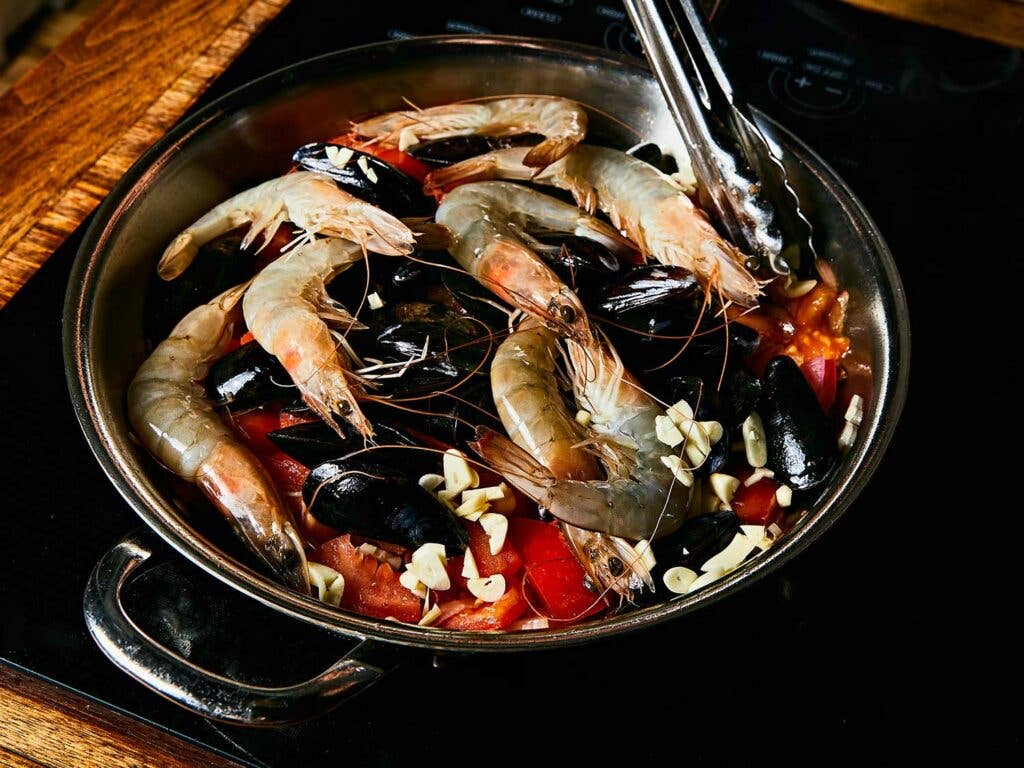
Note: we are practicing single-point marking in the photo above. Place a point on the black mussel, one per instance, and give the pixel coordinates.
(646, 286)
(444, 152)
(381, 184)
(475, 299)
(697, 540)
(707, 406)
(801, 448)
(741, 394)
(248, 377)
(451, 419)
(579, 261)
(651, 153)
(376, 499)
(314, 442)
(220, 264)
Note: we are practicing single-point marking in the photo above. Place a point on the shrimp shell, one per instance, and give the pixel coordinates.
(562, 122)
(180, 428)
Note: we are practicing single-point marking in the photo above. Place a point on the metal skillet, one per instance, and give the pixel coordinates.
(244, 138)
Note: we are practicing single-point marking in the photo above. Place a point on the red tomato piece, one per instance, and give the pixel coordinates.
(403, 161)
(252, 427)
(558, 585)
(756, 504)
(490, 616)
(820, 373)
(288, 474)
(371, 587)
(506, 562)
(246, 338)
(289, 419)
(538, 542)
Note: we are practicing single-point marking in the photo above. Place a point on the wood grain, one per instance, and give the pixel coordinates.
(998, 20)
(72, 126)
(43, 725)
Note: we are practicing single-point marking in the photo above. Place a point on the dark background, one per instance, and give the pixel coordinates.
(832, 658)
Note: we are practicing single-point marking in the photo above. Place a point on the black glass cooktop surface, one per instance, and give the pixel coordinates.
(822, 654)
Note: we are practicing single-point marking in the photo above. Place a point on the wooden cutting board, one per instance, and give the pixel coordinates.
(74, 124)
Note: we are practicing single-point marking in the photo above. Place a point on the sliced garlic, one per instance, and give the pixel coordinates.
(496, 528)
(755, 532)
(757, 475)
(667, 432)
(472, 508)
(458, 474)
(794, 289)
(679, 412)
(679, 579)
(368, 172)
(448, 497)
(754, 442)
(431, 482)
(428, 563)
(430, 616)
(643, 549)
(407, 138)
(724, 486)
(583, 417)
(489, 589)
(855, 410)
(713, 430)
(338, 156)
(469, 569)
(784, 495)
(695, 433)
(849, 436)
(374, 301)
(704, 579)
(730, 557)
(679, 470)
(695, 455)
(328, 583)
(411, 581)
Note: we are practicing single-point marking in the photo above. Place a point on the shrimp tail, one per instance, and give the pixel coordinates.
(515, 464)
(178, 256)
(378, 231)
(503, 164)
(549, 151)
(430, 236)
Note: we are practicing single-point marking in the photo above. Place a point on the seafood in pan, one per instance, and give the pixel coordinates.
(469, 368)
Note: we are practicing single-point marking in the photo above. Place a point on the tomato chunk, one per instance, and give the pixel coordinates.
(403, 161)
(484, 617)
(820, 373)
(756, 504)
(371, 587)
(252, 427)
(558, 585)
(506, 562)
(538, 542)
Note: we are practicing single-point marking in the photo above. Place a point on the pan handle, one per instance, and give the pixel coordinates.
(203, 692)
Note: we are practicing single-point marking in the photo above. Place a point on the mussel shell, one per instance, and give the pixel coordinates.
(315, 442)
(801, 448)
(579, 261)
(249, 377)
(651, 153)
(396, 192)
(645, 286)
(444, 152)
(375, 499)
(474, 299)
(741, 395)
(697, 540)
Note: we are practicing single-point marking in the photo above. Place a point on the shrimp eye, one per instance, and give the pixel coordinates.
(615, 566)
(567, 313)
(345, 408)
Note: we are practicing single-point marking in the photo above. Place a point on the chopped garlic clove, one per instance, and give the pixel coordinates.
(448, 497)
(407, 138)
(430, 616)
(704, 579)
(755, 532)
(667, 432)
(794, 289)
(643, 549)
(472, 508)
(488, 589)
(754, 441)
(328, 583)
(374, 301)
(458, 475)
(496, 528)
(338, 156)
(784, 495)
(583, 417)
(724, 486)
(428, 563)
(757, 475)
(431, 482)
(713, 430)
(695, 433)
(680, 412)
(849, 436)
(411, 581)
(855, 410)
(731, 557)
(469, 569)
(679, 579)
(695, 455)
(679, 470)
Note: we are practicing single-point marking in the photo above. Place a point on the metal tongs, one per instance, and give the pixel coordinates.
(742, 178)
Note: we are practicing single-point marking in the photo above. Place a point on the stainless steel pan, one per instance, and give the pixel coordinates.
(246, 137)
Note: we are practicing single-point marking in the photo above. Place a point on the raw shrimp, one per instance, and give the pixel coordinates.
(650, 207)
(492, 223)
(310, 201)
(175, 422)
(561, 122)
(525, 389)
(640, 499)
(289, 313)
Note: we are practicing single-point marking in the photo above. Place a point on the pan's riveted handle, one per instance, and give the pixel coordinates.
(184, 683)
